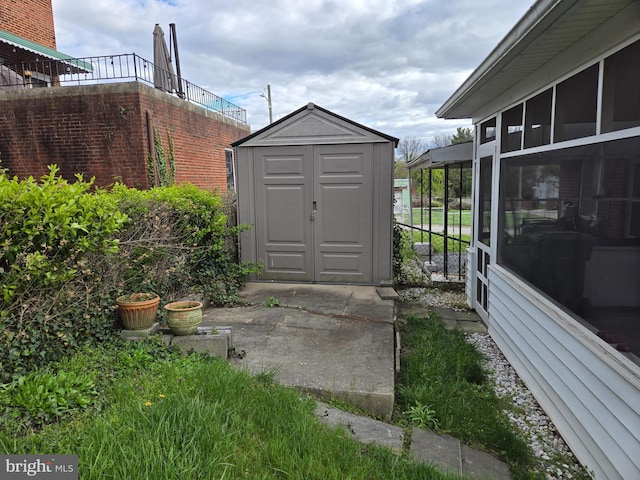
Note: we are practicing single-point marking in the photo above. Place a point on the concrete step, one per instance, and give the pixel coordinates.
(446, 453)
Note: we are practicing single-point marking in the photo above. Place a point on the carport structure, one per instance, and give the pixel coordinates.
(454, 160)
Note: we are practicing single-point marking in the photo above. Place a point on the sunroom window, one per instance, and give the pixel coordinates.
(538, 120)
(488, 130)
(511, 129)
(621, 91)
(576, 106)
(569, 226)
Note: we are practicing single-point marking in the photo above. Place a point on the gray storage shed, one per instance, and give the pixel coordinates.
(317, 190)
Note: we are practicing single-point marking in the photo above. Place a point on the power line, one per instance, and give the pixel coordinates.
(245, 94)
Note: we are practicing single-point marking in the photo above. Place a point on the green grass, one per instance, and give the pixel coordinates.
(149, 412)
(437, 217)
(443, 386)
(159, 415)
(454, 246)
(437, 242)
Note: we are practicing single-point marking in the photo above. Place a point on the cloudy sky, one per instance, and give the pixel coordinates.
(388, 64)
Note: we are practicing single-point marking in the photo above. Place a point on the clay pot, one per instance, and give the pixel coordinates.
(184, 317)
(137, 311)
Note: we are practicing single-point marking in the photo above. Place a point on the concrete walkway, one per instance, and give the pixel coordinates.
(339, 341)
(335, 341)
(445, 453)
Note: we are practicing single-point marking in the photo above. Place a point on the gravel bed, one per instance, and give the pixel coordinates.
(556, 461)
(434, 297)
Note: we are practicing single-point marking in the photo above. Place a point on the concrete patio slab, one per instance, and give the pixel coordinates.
(336, 341)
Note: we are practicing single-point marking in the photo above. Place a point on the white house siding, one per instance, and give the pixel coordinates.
(589, 390)
(468, 288)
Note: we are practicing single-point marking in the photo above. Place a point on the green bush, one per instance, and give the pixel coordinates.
(48, 229)
(407, 264)
(41, 398)
(459, 205)
(67, 250)
(177, 241)
(54, 237)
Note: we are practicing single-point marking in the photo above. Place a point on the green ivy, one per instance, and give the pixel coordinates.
(162, 168)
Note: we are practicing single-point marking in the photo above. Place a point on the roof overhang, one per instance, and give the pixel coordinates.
(548, 28)
(457, 154)
(23, 44)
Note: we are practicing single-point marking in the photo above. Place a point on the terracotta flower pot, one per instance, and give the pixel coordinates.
(138, 311)
(184, 318)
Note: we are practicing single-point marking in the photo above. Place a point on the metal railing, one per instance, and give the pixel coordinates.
(111, 69)
(450, 262)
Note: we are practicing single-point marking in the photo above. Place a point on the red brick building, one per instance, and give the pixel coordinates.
(29, 19)
(108, 131)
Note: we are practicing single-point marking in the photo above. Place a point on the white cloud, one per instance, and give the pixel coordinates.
(388, 64)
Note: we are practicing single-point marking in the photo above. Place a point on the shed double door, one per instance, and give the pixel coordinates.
(314, 212)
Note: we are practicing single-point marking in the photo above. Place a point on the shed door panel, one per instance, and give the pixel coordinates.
(283, 205)
(343, 198)
(314, 212)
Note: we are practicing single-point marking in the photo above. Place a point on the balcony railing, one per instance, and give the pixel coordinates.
(110, 69)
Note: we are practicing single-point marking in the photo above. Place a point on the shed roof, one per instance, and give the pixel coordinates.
(440, 157)
(313, 124)
(548, 28)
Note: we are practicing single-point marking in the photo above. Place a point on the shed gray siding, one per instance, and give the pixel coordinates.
(317, 191)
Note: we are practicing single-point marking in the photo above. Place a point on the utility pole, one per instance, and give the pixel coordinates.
(268, 98)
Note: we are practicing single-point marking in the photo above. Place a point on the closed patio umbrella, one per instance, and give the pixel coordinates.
(164, 77)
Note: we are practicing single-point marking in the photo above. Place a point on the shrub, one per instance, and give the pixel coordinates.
(459, 205)
(67, 250)
(406, 263)
(53, 237)
(178, 240)
(49, 228)
(399, 249)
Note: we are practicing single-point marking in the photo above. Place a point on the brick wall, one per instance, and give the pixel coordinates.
(199, 138)
(615, 184)
(102, 131)
(31, 19)
(570, 181)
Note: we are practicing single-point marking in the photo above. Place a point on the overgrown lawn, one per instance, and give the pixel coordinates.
(442, 386)
(159, 415)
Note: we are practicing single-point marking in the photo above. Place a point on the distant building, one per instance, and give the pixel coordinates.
(401, 199)
(101, 116)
